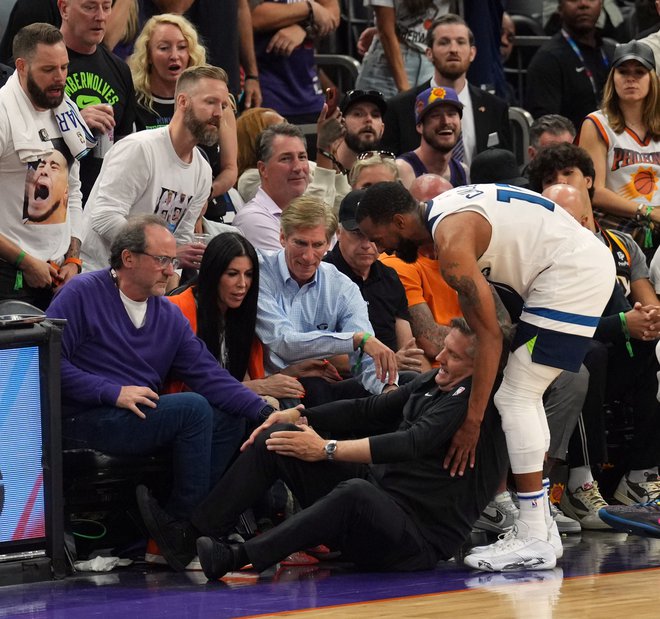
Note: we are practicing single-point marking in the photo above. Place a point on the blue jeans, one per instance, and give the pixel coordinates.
(203, 441)
(375, 72)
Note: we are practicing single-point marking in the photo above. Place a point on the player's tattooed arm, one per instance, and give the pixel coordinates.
(463, 284)
(429, 334)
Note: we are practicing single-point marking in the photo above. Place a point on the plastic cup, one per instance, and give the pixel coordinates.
(201, 238)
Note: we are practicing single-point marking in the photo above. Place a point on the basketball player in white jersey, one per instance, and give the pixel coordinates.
(525, 244)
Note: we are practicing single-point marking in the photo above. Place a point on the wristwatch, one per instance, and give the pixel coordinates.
(265, 412)
(330, 449)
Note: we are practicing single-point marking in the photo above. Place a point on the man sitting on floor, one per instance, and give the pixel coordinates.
(384, 500)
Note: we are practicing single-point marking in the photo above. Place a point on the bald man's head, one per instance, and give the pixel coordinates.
(574, 201)
(428, 186)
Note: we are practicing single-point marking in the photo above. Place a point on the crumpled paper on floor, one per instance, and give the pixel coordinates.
(101, 564)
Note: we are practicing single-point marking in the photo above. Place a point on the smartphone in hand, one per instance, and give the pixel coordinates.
(331, 99)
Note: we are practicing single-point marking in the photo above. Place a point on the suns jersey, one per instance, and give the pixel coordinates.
(563, 273)
(633, 165)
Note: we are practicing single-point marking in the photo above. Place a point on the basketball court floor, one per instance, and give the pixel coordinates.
(602, 574)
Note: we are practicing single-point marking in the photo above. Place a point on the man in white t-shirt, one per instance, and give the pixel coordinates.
(160, 171)
(39, 244)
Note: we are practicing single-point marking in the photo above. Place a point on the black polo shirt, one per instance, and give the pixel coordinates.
(383, 292)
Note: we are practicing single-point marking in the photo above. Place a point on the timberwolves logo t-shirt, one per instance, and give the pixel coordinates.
(97, 78)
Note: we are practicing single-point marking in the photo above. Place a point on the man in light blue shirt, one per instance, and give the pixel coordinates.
(308, 309)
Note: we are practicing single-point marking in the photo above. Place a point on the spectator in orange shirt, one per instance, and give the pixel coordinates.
(431, 302)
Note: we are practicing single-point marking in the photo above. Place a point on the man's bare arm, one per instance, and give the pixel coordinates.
(460, 239)
(429, 334)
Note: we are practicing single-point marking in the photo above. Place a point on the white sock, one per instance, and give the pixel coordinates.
(641, 475)
(579, 476)
(532, 513)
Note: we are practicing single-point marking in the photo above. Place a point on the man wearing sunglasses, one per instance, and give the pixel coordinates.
(121, 342)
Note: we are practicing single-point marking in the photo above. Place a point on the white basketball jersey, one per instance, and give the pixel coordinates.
(538, 251)
(633, 165)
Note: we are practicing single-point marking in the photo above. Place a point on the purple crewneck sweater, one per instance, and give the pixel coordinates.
(102, 351)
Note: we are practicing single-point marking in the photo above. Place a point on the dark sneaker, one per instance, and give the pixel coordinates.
(640, 519)
(217, 558)
(175, 538)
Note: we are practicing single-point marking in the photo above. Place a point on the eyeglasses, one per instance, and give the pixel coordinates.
(383, 154)
(163, 261)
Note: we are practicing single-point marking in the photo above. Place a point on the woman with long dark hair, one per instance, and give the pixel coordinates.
(221, 305)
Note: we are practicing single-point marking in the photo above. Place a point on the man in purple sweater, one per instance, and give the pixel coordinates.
(121, 341)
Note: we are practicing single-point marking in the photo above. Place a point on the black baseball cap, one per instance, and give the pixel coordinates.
(635, 50)
(348, 207)
(355, 96)
(496, 165)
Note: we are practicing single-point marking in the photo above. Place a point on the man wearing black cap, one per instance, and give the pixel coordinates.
(356, 256)
(438, 114)
(341, 142)
(497, 165)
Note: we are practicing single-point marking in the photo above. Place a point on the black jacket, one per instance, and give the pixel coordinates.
(491, 115)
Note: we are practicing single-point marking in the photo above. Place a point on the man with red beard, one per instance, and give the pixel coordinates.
(438, 113)
(140, 169)
(451, 49)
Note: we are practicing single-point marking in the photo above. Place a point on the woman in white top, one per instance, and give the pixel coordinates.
(623, 139)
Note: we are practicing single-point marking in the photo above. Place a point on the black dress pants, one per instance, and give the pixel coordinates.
(342, 508)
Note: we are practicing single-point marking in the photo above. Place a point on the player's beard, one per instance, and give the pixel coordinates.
(406, 251)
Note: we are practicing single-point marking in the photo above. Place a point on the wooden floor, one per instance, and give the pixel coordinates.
(603, 575)
(631, 594)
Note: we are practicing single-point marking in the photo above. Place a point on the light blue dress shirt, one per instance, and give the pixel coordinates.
(312, 321)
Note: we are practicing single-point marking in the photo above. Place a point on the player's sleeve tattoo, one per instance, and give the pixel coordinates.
(423, 324)
(465, 286)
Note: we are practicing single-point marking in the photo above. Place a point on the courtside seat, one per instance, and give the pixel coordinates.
(96, 481)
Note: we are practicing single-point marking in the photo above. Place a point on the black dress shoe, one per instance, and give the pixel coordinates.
(216, 558)
(175, 538)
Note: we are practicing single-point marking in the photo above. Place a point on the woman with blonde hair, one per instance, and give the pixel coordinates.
(623, 139)
(167, 45)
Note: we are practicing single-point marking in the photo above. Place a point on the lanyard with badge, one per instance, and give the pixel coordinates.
(587, 71)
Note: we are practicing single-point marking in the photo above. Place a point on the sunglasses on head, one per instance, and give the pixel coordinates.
(383, 154)
(351, 94)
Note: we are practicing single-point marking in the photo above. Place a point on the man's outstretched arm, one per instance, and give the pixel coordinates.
(460, 239)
